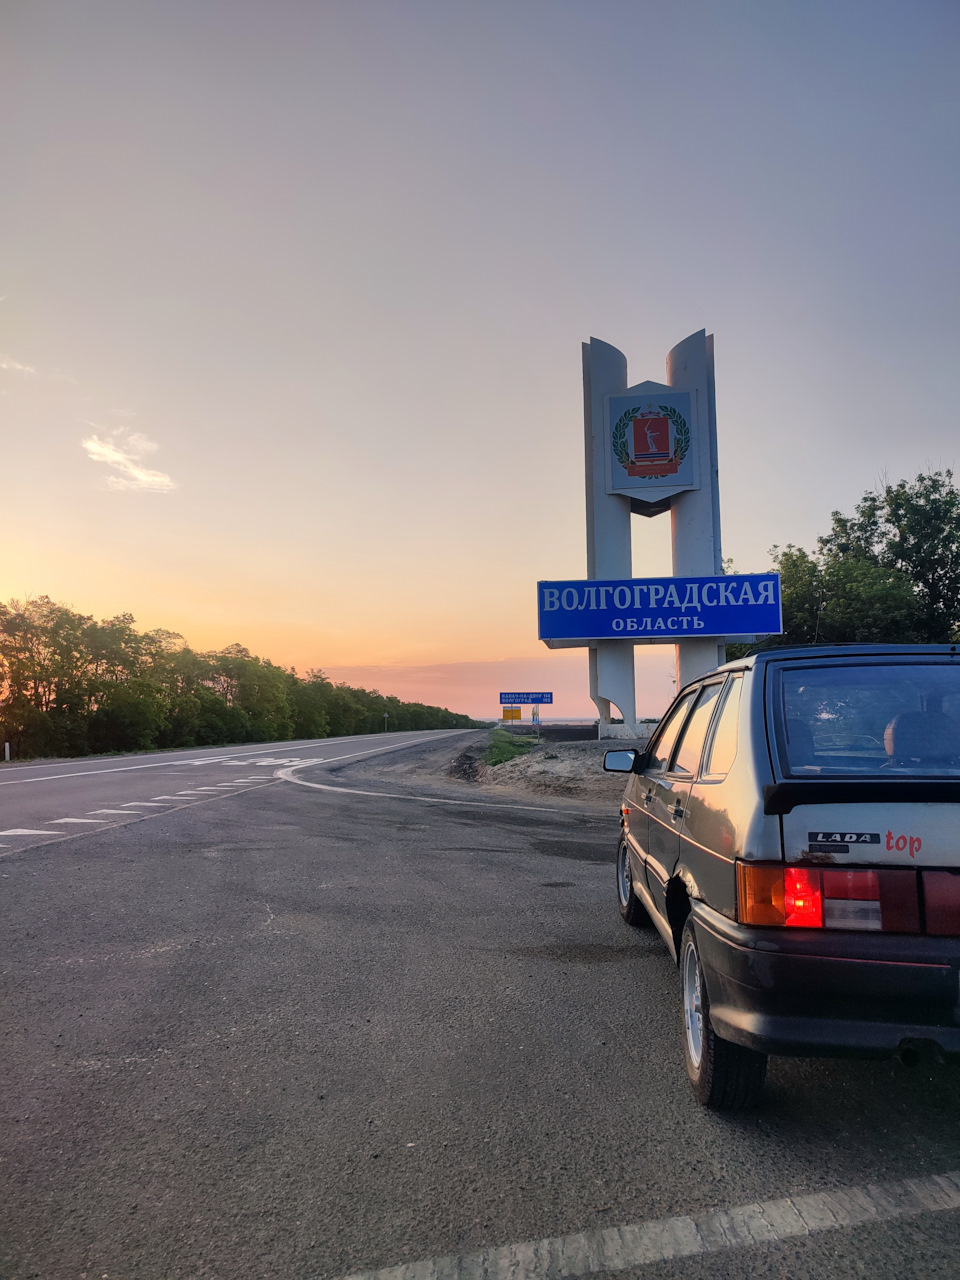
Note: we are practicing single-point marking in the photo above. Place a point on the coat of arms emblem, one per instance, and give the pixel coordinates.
(651, 440)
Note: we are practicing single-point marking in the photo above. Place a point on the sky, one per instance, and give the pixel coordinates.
(292, 298)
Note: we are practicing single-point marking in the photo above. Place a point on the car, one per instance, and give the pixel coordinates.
(792, 831)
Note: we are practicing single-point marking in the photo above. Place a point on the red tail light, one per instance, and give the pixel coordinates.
(836, 898)
(802, 898)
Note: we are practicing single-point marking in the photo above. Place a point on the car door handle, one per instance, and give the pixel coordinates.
(677, 813)
(648, 798)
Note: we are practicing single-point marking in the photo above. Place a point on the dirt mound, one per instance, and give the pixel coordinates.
(572, 769)
(469, 766)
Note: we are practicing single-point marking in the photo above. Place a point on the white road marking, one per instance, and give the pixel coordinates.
(94, 822)
(287, 776)
(165, 797)
(126, 812)
(396, 795)
(646, 1243)
(26, 831)
(188, 793)
(130, 768)
(206, 788)
(143, 804)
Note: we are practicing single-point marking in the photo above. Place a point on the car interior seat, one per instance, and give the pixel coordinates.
(927, 737)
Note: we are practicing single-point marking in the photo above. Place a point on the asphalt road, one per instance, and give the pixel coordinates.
(267, 1030)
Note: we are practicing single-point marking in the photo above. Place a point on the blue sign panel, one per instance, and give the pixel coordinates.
(523, 699)
(664, 609)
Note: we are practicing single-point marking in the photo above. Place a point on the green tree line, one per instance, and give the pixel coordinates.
(888, 573)
(71, 686)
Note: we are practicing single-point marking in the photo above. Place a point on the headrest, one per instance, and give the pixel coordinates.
(922, 735)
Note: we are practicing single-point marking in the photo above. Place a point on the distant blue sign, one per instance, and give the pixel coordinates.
(664, 609)
(523, 699)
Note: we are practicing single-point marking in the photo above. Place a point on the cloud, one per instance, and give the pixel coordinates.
(9, 365)
(122, 451)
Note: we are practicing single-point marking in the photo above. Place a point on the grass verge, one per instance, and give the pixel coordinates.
(504, 746)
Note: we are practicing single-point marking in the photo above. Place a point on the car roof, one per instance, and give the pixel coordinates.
(804, 652)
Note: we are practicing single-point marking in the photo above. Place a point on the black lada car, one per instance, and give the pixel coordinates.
(793, 832)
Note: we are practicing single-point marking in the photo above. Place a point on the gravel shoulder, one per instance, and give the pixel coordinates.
(570, 773)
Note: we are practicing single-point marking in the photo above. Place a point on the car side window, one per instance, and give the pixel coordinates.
(663, 744)
(687, 756)
(722, 747)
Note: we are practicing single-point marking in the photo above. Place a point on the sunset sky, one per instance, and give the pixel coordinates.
(293, 297)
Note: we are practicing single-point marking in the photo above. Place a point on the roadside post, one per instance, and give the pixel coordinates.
(649, 449)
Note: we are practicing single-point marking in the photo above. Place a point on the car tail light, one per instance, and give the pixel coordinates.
(941, 896)
(802, 897)
(851, 900)
(837, 898)
(760, 893)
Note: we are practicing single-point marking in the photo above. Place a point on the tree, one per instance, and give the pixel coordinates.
(912, 528)
(888, 574)
(70, 684)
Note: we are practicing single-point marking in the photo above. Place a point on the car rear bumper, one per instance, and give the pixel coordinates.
(829, 993)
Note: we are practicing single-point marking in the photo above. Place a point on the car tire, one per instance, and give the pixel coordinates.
(631, 908)
(725, 1076)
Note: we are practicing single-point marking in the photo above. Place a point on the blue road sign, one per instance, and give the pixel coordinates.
(660, 609)
(523, 699)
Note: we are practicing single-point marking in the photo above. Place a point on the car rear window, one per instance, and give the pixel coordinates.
(870, 720)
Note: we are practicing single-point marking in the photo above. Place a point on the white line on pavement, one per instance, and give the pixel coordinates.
(26, 831)
(396, 795)
(645, 1243)
(156, 764)
(143, 804)
(94, 822)
(287, 776)
(125, 812)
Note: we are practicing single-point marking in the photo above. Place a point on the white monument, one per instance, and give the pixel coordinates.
(650, 448)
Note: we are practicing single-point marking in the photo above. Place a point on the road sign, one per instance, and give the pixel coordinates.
(525, 699)
(511, 713)
(660, 610)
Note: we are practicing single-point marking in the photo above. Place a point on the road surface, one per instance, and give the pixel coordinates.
(256, 1028)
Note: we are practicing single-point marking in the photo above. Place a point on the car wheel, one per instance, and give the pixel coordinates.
(725, 1076)
(631, 908)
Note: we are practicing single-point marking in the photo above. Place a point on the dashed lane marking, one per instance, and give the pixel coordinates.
(94, 822)
(153, 764)
(132, 816)
(143, 804)
(646, 1243)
